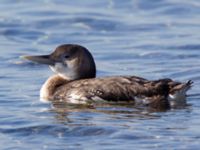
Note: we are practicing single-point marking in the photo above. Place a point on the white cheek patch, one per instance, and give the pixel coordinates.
(58, 68)
(66, 71)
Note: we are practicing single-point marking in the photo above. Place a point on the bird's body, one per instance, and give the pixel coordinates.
(75, 82)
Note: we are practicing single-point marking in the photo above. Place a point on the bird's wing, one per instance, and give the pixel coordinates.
(120, 88)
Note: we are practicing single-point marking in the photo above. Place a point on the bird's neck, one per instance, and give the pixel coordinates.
(49, 87)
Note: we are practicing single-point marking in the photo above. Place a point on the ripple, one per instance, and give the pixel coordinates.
(5, 23)
(181, 9)
(58, 131)
(22, 35)
(44, 13)
(186, 47)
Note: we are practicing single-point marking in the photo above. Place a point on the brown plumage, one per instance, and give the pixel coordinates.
(76, 82)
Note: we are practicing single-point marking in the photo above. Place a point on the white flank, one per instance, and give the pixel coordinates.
(76, 99)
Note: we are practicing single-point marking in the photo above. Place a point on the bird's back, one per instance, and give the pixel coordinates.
(119, 89)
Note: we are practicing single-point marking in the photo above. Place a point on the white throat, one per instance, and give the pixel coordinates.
(65, 71)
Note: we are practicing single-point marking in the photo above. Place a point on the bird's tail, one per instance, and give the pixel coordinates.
(177, 95)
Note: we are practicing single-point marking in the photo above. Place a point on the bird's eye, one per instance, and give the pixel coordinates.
(66, 56)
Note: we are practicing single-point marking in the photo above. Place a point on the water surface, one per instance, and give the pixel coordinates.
(152, 39)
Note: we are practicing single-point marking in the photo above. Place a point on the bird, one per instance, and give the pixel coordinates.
(75, 82)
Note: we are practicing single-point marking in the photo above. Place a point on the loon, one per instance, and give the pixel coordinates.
(75, 82)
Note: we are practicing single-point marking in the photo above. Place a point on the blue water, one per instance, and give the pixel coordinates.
(152, 39)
